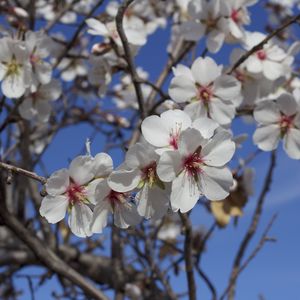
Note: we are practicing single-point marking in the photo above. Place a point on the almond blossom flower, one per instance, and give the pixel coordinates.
(278, 119)
(15, 70)
(272, 61)
(163, 132)
(197, 168)
(209, 92)
(134, 30)
(139, 172)
(111, 201)
(207, 19)
(73, 190)
(37, 104)
(38, 45)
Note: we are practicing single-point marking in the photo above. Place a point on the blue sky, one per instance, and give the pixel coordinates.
(275, 272)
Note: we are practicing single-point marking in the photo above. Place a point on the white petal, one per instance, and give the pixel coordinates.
(227, 87)
(80, 219)
(291, 143)
(253, 64)
(267, 112)
(126, 215)
(13, 86)
(58, 182)
(216, 182)
(182, 89)
(169, 165)
(273, 70)
(221, 111)
(287, 104)
(91, 190)
(192, 31)
(54, 208)
(81, 169)
(189, 141)
(43, 71)
(155, 132)
(218, 151)
(152, 202)
(103, 164)
(205, 70)
(96, 27)
(140, 155)
(102, 190)
(185, 193)
(267, 137)
(215, 40)
(100, 215)
(123, 180)
(205, 126)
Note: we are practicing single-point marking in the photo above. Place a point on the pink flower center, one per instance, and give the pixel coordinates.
(116, 197)
(240, 76)
(76, 193)
(174, 136)
(235, 16)
(286, 122)
(34, 59)
(204, 93)
(261, 54)
(192, 164)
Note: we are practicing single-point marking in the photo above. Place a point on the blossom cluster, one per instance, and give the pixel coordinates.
(187, 143)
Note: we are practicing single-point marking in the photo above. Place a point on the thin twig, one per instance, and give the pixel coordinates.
(128, 56)
(188, 255)
(263, 42)
(21, 171)
(251, 231)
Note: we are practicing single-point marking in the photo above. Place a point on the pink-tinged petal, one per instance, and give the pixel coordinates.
(169, 165)
(291, 143)
(205, 70)
(215, 40)
(287, 104)
(123, 180)
(273, 70)
(189, 141)
(216, 182)
(205, 126)
(267, 137)
(267, 112)
(54, 208)
(182, 89)
(103, 165)
(192, 31)
(58, 182)
(152, 202)
(96, 27)
(155, 132)
(185, 193)
(100, 216)
(218, 151)
(227, 87)
(81, 169)
(80, 219)
(221, 111)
